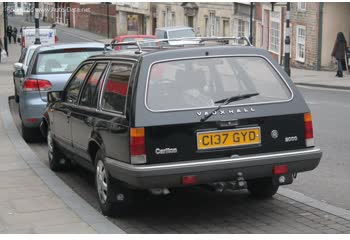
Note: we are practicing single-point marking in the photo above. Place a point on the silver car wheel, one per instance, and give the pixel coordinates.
(101, 181)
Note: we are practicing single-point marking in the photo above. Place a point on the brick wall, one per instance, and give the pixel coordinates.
(95, 20)
(309, 19)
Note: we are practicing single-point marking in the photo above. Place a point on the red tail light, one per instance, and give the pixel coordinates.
(280, 169)
(36, 85)
(23, 42)
(309, 133)
(56, 39)
(137, 145)
(189, 180)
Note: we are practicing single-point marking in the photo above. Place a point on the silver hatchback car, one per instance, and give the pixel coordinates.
(49, 69)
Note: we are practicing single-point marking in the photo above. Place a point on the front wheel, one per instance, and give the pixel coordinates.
(262, 188)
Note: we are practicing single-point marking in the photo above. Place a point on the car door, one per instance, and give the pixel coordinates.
(83, 115)
(63, 109)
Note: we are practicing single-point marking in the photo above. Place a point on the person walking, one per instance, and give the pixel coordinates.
(9, 33)
(338, 52)
(14, 34)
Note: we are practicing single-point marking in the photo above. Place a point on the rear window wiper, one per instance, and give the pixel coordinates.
(229, 100)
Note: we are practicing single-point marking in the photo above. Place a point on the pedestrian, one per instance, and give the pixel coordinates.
(14, 34)
(338, 52)
(9, 33)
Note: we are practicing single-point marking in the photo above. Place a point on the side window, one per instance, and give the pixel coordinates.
(90, 93)
(72, 90)
(116, 87)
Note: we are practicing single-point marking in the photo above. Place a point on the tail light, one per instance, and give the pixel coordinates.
(30, 85)
(309, 133)
(280, 169)
(23, 42)
(137, 146)
(56, 39)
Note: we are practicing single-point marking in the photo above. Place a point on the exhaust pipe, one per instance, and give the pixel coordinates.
(159, 191)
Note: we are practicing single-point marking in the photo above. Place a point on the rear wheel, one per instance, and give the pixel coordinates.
(56, 158)
(262, 188)
(113, 197)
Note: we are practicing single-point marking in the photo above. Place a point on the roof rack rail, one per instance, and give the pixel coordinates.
(198, 40)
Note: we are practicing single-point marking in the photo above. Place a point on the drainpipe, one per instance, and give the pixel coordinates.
(319, 45)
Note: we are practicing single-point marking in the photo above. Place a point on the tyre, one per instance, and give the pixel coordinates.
(16, 95)
(56, 159)
(29, 134)
(114, 198)
(262, 188)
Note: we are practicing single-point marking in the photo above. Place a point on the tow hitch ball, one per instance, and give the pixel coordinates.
(238, 183)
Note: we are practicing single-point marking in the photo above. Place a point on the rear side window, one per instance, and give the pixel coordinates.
(90, 93)
(72, 90)
(202, 83)
(63, 60)
(116, 87)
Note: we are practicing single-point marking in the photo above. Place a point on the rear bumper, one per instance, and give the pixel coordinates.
(207, 171)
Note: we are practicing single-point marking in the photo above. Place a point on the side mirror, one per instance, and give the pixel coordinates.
(19, 73)
(18, 66)
(54, 96)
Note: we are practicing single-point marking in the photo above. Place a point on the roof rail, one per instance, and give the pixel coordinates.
(192, 41)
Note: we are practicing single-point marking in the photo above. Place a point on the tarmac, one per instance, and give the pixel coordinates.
(34, 200)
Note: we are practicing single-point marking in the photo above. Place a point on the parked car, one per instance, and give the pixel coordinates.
(132, 38)
(227, 117)
(176, 33)
(49, 69)
(22, 65)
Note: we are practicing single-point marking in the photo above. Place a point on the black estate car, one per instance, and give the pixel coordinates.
(225, 117)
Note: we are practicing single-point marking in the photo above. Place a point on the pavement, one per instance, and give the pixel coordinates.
(34, 200)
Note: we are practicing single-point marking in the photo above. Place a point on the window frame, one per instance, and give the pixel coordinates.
(99, 104)
(297, 57)
(100, 83)
(71, 79)
(278, 21)
(300, 6)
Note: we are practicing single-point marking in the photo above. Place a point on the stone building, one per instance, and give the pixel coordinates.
(207, 19)
(314, 26)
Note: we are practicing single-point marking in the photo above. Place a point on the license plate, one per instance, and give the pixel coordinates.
(228, 138)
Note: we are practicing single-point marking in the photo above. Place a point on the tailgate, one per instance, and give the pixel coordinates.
(195, 141)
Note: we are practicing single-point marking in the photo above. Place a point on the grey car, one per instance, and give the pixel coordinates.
(49, 69)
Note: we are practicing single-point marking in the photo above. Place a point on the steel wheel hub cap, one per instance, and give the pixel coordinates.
(101, 181)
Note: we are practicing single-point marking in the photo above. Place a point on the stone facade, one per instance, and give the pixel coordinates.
(309, 19)
(207, 19)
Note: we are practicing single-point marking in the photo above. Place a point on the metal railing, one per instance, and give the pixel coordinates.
(192, 41)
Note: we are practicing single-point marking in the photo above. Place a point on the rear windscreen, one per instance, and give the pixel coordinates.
(205, 82)
(62, 61)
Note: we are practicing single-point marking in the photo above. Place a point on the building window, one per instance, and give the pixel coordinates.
(300, 43)
(301, 6)
(241, 30)
(211, 25)
(164, 18)
(275, 26)
(173, 22)
(217, 27)
(190, 21)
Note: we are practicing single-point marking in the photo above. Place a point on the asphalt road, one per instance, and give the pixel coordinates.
(330, 181)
